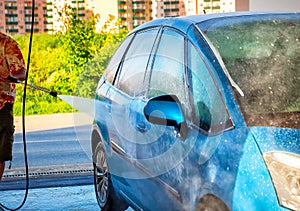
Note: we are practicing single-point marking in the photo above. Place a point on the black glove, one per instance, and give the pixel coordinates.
(12, 79)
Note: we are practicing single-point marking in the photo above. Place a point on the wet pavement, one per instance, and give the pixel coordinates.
(80, 197)
(54, 187)
(71, 190)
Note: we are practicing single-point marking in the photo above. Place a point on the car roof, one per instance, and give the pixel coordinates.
(184, 22)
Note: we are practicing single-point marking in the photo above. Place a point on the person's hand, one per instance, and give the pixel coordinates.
(12, 79)
(9, 79)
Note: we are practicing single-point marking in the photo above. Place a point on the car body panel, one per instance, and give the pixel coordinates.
(154, 167)
(277, 139)
(253, 189)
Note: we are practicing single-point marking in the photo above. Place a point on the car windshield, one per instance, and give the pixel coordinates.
(262, 56)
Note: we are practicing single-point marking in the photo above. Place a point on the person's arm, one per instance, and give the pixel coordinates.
(20, 76)
(15, 60)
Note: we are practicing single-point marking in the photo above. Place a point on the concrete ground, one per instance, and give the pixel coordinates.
(51, 198)
(50, 121)
(55, 198)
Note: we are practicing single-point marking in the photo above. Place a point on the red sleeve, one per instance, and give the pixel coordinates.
(14, 57)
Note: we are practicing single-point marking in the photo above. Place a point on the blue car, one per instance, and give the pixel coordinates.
(201, 113)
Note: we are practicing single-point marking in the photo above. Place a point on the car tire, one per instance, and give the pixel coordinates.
(105, 194)
(210, 202)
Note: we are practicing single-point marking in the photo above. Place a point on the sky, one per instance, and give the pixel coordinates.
(276, 5)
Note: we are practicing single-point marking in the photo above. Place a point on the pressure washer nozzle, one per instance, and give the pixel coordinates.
(53, 93)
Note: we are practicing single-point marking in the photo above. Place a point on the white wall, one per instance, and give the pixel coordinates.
(274, 5)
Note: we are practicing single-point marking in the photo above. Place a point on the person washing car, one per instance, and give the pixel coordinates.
(12, 67)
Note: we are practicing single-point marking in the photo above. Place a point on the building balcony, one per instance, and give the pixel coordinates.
(77, 1)
(138, 2)
(121, 10)
(212, 8)
(11, 15)
(11, 7)
(171, 2)
(121, 2)
(13, 30)
(171, 10)
(138, 10)
(11, 22)
(138, 18)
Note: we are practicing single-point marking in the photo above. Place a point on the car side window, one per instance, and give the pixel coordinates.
(132, 73)
(168, 70)
(210, 113)
(115, 60)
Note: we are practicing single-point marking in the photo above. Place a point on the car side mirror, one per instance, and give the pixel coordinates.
(166, 110)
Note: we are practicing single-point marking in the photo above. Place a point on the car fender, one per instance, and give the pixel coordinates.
(253, 188)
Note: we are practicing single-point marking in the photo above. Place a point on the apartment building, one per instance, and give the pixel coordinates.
(15, 16)
(200, 7)
(84, 9)
(127, 13)
(134, 13)
(167, 8)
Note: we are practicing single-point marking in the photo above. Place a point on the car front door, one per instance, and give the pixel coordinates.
(128, 128)
(148, 70)
(159, 147)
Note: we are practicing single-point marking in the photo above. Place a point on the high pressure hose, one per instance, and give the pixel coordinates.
(23, 114)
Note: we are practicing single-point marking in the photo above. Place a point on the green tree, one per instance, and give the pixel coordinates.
(70, 63)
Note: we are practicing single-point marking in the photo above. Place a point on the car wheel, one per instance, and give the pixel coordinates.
(210, 202)
(104, 190)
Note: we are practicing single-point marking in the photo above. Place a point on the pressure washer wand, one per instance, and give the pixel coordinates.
(52, 93)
